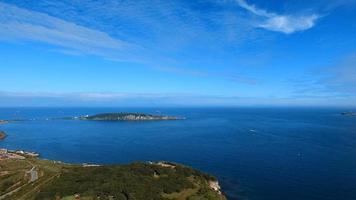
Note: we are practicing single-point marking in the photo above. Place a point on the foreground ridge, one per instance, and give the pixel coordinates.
(26, 177)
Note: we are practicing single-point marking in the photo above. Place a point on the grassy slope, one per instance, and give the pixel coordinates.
(134, 181)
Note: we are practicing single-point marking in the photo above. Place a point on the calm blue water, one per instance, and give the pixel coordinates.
(257, 153)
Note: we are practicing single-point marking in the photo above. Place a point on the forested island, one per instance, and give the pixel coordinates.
(121, 116)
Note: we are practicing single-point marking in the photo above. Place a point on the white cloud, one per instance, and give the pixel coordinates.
(254, 9)
(289, 24)
(280, 23)
(21, 24)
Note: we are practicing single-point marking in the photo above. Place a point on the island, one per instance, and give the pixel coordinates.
(127, 117)
(31, 178)
(3, 121)
(349, 113)
(2, 135)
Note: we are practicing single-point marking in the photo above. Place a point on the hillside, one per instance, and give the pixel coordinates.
(34, 179)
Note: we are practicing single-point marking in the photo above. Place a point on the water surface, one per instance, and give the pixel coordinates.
(257, 153)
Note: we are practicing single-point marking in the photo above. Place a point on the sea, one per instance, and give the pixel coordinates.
(262, 153)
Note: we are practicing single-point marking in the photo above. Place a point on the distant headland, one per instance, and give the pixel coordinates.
(127, 117)
(349, 113)
(3, 121)
(2, 135)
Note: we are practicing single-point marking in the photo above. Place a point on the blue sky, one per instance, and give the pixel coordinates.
(177, 53)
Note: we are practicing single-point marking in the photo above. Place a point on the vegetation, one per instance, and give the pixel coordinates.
(134, 181)
(127, 116)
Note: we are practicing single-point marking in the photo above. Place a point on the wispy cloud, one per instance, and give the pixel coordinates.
(25, 25)
(342, 76)
(337, 81)
(125, 31)
(281, 23)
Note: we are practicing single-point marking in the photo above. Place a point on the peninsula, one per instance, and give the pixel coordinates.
(26, 177)
(127, 117)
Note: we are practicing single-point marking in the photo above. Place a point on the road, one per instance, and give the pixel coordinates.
(33, 175)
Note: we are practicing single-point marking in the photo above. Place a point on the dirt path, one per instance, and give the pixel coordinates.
(33, 175)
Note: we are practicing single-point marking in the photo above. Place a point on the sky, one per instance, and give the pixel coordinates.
(177, 53)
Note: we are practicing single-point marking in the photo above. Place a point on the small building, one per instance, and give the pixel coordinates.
(20, 152)
(3, 151)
